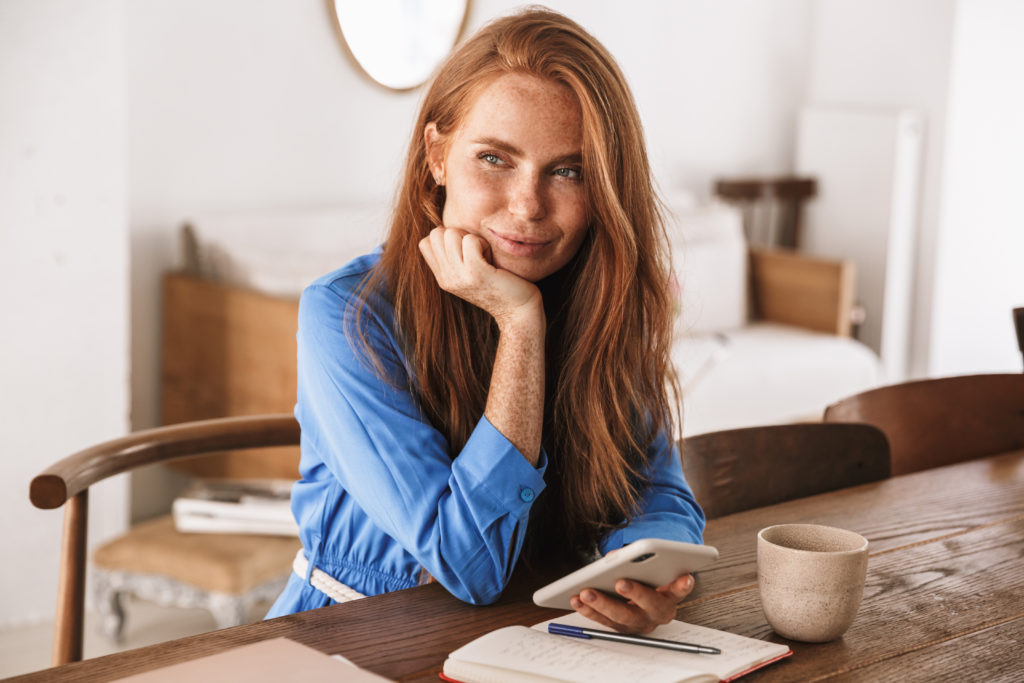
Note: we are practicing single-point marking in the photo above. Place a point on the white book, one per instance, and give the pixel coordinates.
(256, 507)
(517, 654)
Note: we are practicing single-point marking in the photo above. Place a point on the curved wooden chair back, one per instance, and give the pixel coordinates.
(740, 469)
(936, 422)
(68, 481)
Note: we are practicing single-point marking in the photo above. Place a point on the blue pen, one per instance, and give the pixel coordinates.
(578, 632)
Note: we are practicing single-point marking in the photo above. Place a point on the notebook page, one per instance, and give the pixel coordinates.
(739, 653)
(526, 650)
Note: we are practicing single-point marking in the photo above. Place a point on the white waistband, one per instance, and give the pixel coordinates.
(324, 582)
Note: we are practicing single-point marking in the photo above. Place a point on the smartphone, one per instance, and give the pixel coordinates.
(652, 561)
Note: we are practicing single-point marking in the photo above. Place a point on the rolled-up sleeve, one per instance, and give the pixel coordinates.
(667, 508)
(464, 517)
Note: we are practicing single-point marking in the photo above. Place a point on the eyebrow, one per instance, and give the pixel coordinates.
(508, 147)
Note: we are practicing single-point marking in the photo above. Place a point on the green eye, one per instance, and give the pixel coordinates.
(571, 173)
(491, 158)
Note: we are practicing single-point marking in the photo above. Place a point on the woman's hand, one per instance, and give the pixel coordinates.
(515, 399)
(461, 263)
(646, 609)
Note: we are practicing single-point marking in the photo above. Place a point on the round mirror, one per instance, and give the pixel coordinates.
(399, 43)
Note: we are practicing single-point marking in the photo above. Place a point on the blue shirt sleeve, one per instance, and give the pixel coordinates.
(464, 517)
(667, 508)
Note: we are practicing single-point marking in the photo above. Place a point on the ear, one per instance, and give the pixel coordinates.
(434, 144)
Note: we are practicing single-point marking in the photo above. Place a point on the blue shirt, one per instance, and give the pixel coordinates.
(381, 502)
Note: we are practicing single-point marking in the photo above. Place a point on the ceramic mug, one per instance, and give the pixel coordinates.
(811, 579)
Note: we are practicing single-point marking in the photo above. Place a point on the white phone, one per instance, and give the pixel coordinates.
(652, 561)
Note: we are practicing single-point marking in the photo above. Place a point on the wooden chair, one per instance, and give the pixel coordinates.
(936, 422)
(1018, 325)
(772, 207)
(68, 481)
(740, 469)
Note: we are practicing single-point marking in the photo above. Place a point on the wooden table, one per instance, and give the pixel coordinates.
(944, 598)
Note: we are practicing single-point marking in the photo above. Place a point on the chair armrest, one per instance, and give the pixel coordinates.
(79, 471)
(796, 289)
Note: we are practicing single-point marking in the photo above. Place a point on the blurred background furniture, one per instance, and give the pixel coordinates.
(740, 469)
(935, 422)
(772, 208)
(67, 483)
(867, 162)
(762, 335)
(207, 361)
(1018, 325)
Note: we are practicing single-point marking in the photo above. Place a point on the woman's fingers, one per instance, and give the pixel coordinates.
(643, 609)
(679, 589)
(443, 254)
(591, 610)
(452, 240)
(615, 612)
(427, 251)
(475, 251)
(658, 608)
(461, 264)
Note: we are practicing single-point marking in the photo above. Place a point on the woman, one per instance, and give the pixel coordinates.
(491, 384)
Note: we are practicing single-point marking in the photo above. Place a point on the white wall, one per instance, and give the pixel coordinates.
(960, 63)
(234, 104)
(63, 273)
(979, 271)
(893, 54)
(238, 105)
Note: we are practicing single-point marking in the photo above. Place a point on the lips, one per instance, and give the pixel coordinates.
(517, 245)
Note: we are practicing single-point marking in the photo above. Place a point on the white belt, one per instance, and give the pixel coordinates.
(324, 582)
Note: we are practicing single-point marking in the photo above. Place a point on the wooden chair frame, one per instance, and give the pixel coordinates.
(935, 422)
(738, 469)
(67, 483)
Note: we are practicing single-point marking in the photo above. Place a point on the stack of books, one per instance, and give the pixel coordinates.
(258, 506)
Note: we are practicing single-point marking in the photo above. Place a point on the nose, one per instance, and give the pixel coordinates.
(526, 200)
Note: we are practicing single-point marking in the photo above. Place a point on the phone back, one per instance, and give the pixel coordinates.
(652, 561)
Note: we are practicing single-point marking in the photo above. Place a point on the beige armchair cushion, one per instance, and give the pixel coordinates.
(226, 563)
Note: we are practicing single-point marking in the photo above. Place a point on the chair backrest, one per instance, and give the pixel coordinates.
(1018, 326)
(68, 481)
(936, 422)
(739, 469)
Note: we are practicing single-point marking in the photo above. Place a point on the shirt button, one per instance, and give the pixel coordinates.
(526, 494)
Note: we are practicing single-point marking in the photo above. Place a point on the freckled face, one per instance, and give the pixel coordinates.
(513, 176)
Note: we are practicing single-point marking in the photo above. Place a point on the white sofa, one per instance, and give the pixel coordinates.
(735, 369)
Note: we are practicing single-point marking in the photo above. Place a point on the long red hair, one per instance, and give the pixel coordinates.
(607, 394)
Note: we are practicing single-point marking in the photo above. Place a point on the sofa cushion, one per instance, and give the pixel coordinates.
(766, 373)
(227, 563)
(280, 252)
(709, 255)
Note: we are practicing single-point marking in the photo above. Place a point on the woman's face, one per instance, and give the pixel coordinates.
(512, 174)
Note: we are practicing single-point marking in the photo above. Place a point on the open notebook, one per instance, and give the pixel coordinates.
(517, 653)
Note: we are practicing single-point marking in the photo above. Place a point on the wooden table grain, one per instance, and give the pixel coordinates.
(944, 598)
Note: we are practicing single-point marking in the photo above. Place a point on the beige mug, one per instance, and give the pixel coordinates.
(811, 579)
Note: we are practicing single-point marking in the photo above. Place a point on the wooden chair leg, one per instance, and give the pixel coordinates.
(67, 633)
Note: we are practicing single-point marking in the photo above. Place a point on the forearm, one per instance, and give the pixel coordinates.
(515, 400)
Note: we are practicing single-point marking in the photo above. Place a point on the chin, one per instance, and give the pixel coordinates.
(529, 271)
